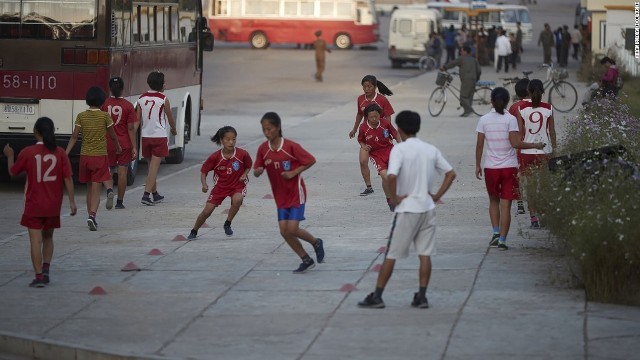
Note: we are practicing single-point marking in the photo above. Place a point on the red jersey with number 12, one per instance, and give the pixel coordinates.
(227, 172)
(289, 156)
(380, 100)
(46, 171)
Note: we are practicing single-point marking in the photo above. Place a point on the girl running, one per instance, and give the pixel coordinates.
(230, 166)
(48, 168)
(376, 137)
(370, 96)
(535, 119)
(284, 161)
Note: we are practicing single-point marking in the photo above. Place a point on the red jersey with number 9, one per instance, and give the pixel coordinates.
(46, 171)
(536, 126)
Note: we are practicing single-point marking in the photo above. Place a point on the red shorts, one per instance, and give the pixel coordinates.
(502, 183)
(530, 161)
(94, 169)
(157, 147)
(380, 158)
(39, 222)
(218, 195)
(122, 159)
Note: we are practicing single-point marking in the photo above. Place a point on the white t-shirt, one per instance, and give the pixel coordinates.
(154, 119)
(536, 126)
(503, 46)
(499, 153)
(416, 163)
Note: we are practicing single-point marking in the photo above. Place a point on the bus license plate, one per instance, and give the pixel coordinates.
(19, 109)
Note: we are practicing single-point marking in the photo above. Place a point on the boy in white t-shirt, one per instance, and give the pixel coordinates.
(500, 130)
(154, 111)
(413, 165)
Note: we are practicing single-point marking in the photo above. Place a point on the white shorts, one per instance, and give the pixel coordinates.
(412, 228)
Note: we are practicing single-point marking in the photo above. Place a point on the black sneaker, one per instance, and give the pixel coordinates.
(535, 224)
(93, 225)
(371, 302)
(37, 283)
(109, 203)
(391, 207)
(192, 235)
(45, 275)
(495, 239)
(503, 246)
(420, 302)
(119, 206)
(227, 230)
(367, 191)
(304, 267)
(520, 207)
(157, 198)
(319, 248)
(146, 200)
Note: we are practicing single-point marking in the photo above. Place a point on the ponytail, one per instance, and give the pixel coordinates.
(116, 85)
(499, 99)
(45, 128)
(536, 89)
(382, 88)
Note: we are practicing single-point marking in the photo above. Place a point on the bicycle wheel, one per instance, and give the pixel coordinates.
(563, 96)
(481, 102)
(427, 63)
(436, 101)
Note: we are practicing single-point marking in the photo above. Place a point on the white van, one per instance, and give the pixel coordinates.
(409, 31)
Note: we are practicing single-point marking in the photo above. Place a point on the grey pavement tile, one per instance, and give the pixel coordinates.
(286, 280)
(546, 333)
(247, 302)
(283, 336)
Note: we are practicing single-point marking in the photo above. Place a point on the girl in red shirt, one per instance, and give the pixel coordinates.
(48, 168)
(284, 161)
(230, 166)
(369, 86)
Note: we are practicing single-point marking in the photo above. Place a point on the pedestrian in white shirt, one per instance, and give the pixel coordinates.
(503, 49)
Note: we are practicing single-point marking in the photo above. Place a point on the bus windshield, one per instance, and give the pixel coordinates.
(48, 19)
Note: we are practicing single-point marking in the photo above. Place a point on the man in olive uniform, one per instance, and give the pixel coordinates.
(547, 40)
(320, 47)
(469, 74)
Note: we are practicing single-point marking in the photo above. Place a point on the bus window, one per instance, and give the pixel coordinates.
(306, 7)
(343, 9)
(509, 16)
(222, 7)
(523, 16)
(261, 7)
(290, 7)
(145, 25)
(48, 19)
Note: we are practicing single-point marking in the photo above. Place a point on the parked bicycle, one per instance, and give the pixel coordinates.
(562, 94)
(481, 101)
(427, 63)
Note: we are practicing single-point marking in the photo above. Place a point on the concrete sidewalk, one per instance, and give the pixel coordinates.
(236, 298)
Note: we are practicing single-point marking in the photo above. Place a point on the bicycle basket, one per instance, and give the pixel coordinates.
(559, 74)
(443, 78)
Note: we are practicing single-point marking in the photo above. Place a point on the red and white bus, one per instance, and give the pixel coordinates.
(54, 50)
(262, 22)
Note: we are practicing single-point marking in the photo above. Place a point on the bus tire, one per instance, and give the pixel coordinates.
(258, 40)
(343, 41)
(176, 156)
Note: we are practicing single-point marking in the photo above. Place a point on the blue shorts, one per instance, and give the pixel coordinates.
(292, 213)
